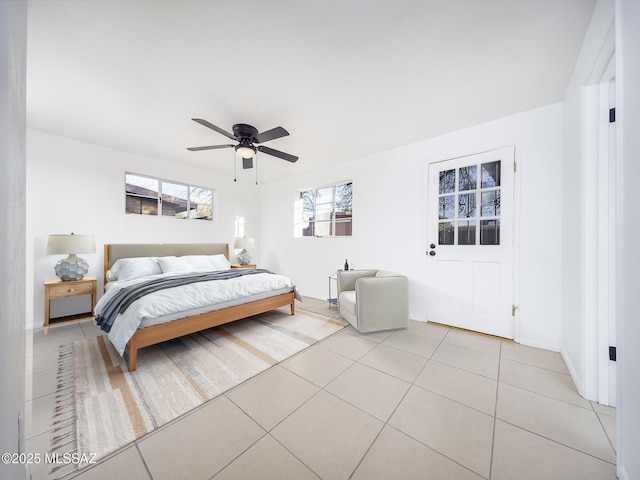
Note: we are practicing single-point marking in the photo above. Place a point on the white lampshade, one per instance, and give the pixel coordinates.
(66, 244)
(72, 267)
(243, 243)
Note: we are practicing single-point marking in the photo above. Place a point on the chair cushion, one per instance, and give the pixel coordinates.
(383, 273)
(348, 301)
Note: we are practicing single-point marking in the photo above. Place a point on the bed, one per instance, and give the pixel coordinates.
(156, 330)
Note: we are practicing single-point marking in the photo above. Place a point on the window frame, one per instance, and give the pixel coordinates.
(159, 211)
(302, 222)
(461, 200)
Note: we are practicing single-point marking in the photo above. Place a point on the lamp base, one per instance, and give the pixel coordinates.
(243, 257)
(71, 268)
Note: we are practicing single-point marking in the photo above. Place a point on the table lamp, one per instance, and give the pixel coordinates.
(72, 267)
(243, 243)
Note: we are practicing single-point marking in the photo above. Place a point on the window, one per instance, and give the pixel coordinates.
(474, 203)
(153, 196)
(325, 211)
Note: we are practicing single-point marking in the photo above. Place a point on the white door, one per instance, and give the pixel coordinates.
(469, 267)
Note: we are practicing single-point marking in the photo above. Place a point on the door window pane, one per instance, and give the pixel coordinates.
(467, 205)
(467, 232)
(468, 178)
(447, 209)
(490, 232)
(445, 233)
(447, 181)
(491, 174)
(491, 203)
(460, 190)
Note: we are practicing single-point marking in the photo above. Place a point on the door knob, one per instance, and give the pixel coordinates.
(432, 253)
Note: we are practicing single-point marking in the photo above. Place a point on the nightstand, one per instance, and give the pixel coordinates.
(248, 265)
(58, 289)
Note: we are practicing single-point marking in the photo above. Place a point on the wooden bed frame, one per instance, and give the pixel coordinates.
(147, 336)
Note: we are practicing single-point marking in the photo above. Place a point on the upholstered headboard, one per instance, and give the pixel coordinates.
(116, 251)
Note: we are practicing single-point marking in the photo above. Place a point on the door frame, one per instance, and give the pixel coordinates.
(515, 261)
(600, 241)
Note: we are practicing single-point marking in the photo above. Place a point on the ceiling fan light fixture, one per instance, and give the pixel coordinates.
(246, 136)
(245, 151)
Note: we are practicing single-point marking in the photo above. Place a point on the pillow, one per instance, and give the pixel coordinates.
(193, 263)
(208, 262)
(174, 264)
(111, 277)
(130, 268)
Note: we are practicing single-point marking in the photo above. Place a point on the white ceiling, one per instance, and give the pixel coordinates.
(346, 78)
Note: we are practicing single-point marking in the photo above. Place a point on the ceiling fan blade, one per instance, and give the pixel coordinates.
(213, 127)
(271, 135)
(247, 162)
(210, 147)
(278, 153)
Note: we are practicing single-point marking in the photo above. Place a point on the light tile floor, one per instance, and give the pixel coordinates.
(427, 402)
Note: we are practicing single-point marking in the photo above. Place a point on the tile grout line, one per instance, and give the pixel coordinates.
(323, 389)
(144, 460)
(268, 432)
(529, 364)
(386, 422)
(495, 415)
(550, 397)
(606, 434)
(575, 449)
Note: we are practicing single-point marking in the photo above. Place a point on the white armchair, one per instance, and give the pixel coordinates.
(373, 300)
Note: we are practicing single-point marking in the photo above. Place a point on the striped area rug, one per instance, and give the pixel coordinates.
(114, 406)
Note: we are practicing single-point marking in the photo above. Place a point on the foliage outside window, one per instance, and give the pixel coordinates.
(470, 205)
(325, 211)
(153, 196)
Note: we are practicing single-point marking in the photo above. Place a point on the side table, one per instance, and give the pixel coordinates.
(333, 300)
(58, 289)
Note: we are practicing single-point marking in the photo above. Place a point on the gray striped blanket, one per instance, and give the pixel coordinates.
(126, 296)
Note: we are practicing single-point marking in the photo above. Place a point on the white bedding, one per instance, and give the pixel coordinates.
(183, 301)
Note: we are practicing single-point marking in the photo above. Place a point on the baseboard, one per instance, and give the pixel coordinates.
(577, 381)
(544, 346)
(622, 474)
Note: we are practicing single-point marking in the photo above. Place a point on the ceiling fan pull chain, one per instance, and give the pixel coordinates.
(256, 157)
(235, 167)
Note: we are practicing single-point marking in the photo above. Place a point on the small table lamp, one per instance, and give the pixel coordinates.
(243, 243)
(72, 267)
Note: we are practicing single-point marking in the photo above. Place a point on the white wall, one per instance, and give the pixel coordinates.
(13, 50)
(579, 338)
(389, 207)
(628, 263)
(79, 187)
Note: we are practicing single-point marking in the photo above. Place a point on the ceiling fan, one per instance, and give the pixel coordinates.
(246, 136)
